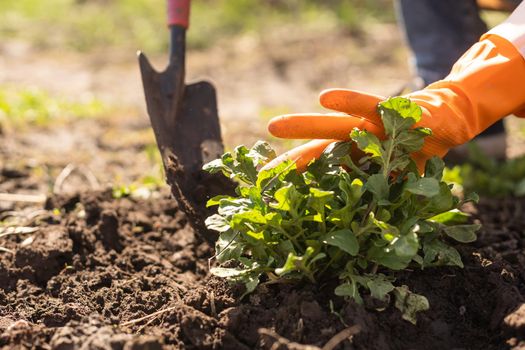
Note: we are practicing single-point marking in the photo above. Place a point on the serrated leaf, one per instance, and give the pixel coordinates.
(215, 166)
(367, 142)
(285, 197)
(261, 152)
(229, 207)
(245, 165)
(379, 286)
(352, 189)
(272, 177)
(398, 114)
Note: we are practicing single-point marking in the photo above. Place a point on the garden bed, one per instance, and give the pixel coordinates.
(106, 273)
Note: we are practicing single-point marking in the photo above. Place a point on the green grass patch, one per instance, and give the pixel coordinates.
(20, 108)
(90, 24)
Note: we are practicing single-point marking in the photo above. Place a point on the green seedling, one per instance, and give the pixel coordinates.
(357, 220)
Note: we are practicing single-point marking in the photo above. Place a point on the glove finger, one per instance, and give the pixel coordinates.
(352, 102)
(301, 155)
(320, 126)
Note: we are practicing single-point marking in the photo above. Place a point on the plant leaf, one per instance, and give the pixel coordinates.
(409, 303)
(434, 168)
(378, 186)
(437, 253)
(462, 233)
(349, 290)
(424, 186)
(261, 152)
(451, 217)
(344, 240)
(379, 286)
(367, 142)
(398, 114)
(217, 223)
(407, 245)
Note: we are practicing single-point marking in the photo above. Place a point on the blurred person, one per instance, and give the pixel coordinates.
(438, 32)
(486, 84)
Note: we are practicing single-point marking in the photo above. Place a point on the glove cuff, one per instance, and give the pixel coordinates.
(486, 84)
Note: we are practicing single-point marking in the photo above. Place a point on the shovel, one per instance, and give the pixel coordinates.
(185, 121)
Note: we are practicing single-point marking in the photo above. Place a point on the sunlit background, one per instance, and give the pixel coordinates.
(70, 90)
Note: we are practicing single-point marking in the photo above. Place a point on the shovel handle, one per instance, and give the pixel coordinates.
(178, 13)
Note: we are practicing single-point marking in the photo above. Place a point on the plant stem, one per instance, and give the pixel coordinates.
(332, 259)
(389, 151)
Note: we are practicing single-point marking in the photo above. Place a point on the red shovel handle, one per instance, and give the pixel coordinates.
(178, 13)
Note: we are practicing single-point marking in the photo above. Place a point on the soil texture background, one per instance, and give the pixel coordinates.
(86, 270)
(106, 273)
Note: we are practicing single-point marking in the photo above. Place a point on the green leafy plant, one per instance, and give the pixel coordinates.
(487, 176)
(360, 221)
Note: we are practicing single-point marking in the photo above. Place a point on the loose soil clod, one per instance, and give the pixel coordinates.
(132, 274)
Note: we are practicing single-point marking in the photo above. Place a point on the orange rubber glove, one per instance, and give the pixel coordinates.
(486, 84)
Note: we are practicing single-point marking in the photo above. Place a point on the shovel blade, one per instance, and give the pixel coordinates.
(196, 140)
(197, 132)
(187, 130)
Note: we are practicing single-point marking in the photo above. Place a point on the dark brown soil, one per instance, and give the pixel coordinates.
(93, 273)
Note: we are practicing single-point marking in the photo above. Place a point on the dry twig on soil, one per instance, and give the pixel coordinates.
(340, 337)
(68, 170)
(282, 341)
(155, 314)
(26, 198)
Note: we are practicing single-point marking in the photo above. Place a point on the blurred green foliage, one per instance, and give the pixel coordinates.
(488, 177)
(90, 24)
(22, 107)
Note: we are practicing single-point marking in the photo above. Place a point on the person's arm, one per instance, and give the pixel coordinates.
(486, 84)
(513, 29)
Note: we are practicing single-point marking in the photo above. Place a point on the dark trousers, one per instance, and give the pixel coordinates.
(438, 33)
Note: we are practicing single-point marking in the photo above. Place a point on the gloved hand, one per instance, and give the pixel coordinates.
(486, 84)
